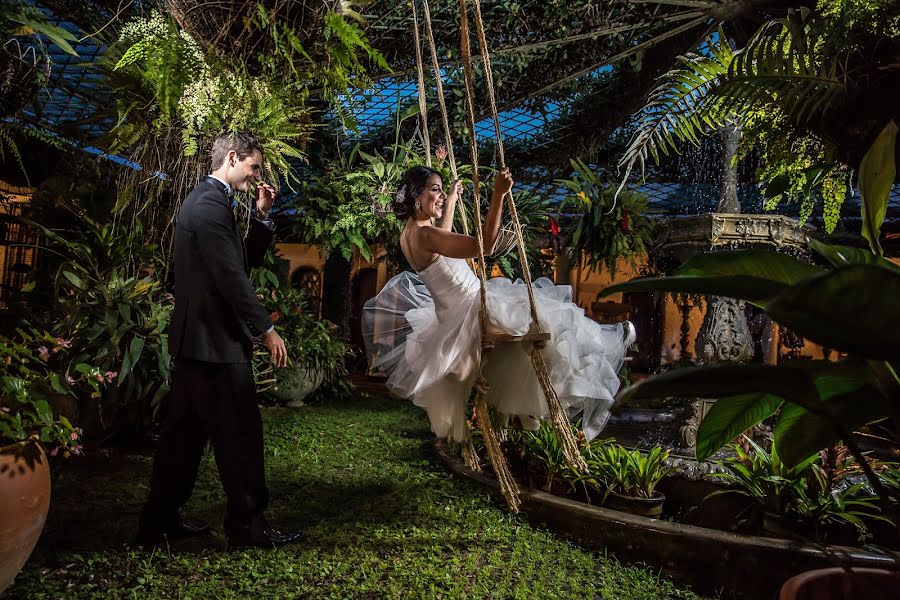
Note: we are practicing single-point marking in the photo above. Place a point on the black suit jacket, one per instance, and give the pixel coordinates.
(216, 310)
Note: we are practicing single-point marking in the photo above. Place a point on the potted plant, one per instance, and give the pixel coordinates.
(28, 383)
(544, 463)
(606, 226)
(627, 479)
(804, 500)
(315, 350)
(317, 356)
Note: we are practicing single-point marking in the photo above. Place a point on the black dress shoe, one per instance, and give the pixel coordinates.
(268, 537)
(180, 529)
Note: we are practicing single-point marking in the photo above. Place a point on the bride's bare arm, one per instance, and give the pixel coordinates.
(446, 222)
(455, 245)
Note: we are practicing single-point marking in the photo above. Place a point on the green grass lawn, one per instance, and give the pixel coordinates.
(384, 519)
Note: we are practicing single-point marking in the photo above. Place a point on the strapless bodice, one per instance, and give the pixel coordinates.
(449, 280)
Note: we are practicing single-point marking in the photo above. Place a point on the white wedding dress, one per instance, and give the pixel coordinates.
(423, 331)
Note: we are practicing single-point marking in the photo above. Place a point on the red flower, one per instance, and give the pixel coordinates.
(275, 316)
(625, 221)
(554, 227)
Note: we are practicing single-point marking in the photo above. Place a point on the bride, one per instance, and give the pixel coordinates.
(423, 328)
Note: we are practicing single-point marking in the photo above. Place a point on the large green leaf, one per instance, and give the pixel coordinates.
(753, 289)
(853, 309)
(790, 383)
(753, 275)
(754, 262)
(845, 256)
(876, 177)
(131, 357)
(729, 417)
(800, 432)
(57, 35)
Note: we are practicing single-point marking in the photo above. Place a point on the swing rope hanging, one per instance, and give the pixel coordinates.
(536, 336)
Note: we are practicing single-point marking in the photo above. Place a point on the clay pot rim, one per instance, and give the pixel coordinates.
(656, 498)
(5, 449)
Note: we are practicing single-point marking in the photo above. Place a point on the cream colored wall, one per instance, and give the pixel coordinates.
(308, 256)
(300, 255)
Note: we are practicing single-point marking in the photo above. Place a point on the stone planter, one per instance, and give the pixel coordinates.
(295, 384)
(645, 507)
(753, 566)
(24, 502)
(842, 584)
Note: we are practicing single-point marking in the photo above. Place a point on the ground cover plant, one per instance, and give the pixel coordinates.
(383, 517)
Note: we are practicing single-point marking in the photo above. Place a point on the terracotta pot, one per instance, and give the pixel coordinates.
(842, 584)
(645, 507)
(24, 502)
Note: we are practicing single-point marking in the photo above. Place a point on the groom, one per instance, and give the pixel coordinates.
(217, 316)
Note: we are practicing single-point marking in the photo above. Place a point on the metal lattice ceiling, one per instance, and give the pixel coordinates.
(68, 106)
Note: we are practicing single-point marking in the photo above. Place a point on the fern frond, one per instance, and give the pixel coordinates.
(782, 64)
(683, 107)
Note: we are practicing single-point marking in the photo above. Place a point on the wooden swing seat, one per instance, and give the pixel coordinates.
(493, 336)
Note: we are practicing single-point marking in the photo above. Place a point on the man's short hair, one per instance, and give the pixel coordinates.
(242, 142)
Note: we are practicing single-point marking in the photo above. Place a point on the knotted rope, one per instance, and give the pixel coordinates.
(557, 414)
(420, 72)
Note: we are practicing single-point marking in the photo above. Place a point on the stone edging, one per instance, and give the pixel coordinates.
(708, 559)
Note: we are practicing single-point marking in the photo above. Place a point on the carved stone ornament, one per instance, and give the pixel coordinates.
(724, 335)
(688, 430)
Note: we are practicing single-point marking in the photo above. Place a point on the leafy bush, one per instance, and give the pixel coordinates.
(111, 307)
(33, 370)
(816, 492)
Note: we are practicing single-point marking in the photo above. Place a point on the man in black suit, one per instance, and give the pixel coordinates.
(217, 316)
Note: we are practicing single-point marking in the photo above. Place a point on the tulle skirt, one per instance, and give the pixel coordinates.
(430, 351)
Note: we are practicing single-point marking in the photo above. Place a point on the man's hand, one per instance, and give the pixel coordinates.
(277, 351)
(265, 197)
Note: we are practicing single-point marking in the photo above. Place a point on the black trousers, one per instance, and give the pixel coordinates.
(214, 402)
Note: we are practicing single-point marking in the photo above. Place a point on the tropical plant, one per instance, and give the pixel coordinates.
(24, 70)
(172, 99)
(347, 207)
(111, 307)
(535, 215)
(803, 77)
(605, 227)
(312, 345)
(811, 492)
(33, 369)
(614, 468)
(849, 307)
(20, 18)
(543, 448)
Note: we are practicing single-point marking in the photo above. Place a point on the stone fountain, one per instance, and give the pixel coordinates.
(724, 335)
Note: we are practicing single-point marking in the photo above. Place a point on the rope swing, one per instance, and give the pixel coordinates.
(536, 337)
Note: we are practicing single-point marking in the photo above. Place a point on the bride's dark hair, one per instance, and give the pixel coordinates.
(411, 186)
